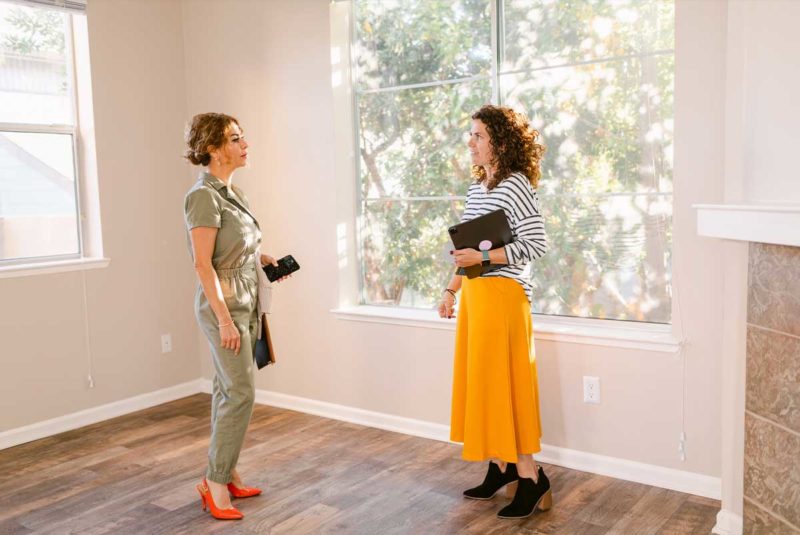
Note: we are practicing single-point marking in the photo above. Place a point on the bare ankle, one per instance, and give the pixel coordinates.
(501, 465)
(527, 468)
(220, 494)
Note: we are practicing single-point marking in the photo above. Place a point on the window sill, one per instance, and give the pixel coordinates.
(49, 267)
(610, 333)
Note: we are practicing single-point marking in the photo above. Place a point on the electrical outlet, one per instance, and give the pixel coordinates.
(591, 389)
(90, 381)
(166, 343)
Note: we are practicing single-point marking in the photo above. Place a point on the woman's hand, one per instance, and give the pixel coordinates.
(467, 257)
(447, 306)
(230, 337)
(267, 259)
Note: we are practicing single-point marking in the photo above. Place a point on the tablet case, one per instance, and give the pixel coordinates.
(264, 353)
(493, 227)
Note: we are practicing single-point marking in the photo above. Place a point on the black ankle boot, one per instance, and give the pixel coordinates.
(529, 495)
(494, 481)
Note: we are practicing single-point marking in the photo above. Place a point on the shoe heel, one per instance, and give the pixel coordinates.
(546, 502)
(202, 496)
(231, 513)
(511, 489)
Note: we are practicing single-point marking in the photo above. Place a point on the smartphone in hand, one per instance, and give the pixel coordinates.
(286, 266)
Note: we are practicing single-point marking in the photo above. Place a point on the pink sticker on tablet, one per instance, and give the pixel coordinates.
(485, 245)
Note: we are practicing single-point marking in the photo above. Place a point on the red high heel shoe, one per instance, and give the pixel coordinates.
(208, 501)
(243, 492)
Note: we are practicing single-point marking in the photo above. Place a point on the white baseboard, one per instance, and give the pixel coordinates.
(388, 422)
(728, 523)
(46, 428)
(657, 476)
(649, 474)
(379, 420)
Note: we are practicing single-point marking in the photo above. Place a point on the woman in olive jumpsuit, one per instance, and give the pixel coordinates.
(224, 240)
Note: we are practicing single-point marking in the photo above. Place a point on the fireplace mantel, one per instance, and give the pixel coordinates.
(775, 224)
(762, 363)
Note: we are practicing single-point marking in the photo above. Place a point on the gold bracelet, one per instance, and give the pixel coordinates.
(225, 324)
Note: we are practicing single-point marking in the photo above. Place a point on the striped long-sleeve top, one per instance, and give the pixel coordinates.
(520, 202)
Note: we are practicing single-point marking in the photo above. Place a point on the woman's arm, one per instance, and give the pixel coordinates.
(203, 239)
(531, 241)
(473, 257)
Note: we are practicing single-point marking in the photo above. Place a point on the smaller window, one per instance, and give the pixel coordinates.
(39, 184)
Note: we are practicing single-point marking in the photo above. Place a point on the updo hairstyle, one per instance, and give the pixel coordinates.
(206, 130)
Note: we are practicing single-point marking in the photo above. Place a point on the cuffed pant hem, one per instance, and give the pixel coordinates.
(218, 477)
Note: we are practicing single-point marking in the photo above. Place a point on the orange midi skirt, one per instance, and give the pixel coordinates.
(495, 410)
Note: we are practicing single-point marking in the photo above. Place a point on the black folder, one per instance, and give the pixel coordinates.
(469, 234)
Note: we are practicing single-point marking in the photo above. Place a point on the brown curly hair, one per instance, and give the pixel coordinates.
(513, 142)
(206, 130)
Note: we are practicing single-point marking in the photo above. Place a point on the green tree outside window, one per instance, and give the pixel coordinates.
(595, 76)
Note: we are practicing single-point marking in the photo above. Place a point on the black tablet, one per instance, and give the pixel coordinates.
(492, 227)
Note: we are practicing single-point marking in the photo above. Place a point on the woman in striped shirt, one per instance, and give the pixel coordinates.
(495, 411)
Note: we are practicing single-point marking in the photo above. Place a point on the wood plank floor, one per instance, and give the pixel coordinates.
(136, 474)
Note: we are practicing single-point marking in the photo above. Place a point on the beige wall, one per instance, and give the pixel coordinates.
(139, 105)
(770, 44)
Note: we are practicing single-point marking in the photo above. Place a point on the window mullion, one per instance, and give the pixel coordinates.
(67, 6)
(447, 198)
(609, 59)
(76, 163)
(497, 18)
(71, 69)
(424, 85)
(31, 128)
(359, 203)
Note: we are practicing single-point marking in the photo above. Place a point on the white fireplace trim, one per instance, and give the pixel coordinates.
(776, 224)
(728, 523)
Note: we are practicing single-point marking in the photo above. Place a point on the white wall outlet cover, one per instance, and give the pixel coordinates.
(166, 343)
(591, 389)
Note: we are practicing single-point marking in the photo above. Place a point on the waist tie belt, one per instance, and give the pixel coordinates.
(230, 273)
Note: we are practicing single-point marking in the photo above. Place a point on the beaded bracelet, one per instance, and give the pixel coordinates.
(451, 292)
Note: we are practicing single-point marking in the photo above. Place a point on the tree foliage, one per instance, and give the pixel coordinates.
(35, 31)
(596, 78)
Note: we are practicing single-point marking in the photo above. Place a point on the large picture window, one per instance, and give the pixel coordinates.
(596, 78)
(39, 200)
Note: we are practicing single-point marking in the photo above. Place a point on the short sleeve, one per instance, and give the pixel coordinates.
(201, 209)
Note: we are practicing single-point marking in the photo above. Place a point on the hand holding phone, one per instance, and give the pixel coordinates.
(286, 266)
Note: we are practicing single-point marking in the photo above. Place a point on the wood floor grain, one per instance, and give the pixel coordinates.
(136, 475)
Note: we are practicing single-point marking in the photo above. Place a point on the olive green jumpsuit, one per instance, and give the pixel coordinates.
(210, 203)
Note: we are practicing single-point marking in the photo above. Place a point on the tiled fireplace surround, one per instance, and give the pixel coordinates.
(772, 406)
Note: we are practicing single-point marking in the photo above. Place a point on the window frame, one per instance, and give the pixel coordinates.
(82, 259)
(494, 76)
